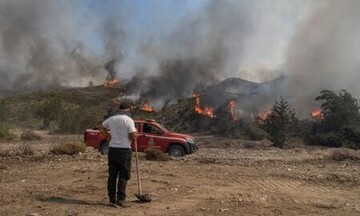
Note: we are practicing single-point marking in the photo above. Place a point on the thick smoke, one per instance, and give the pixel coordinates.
(325, 53)
(167, 55)
(45, 44)
(199, 51)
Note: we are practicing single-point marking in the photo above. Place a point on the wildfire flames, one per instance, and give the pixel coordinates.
(206, 111)
(111, 83)
(264, 115)
(232, 105)
(316, 113)
(147, 108)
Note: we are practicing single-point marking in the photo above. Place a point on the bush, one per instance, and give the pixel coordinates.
(29, 135)
(75, 120)
(69, 148)
(303, 129)
(49, 111)
(351, 136)
(25, 149)
(154, 154)
(5, 153)
(331, 139)
(5, 133)
(344, 154)
(254, 132)
(4, 111)
(225, 126)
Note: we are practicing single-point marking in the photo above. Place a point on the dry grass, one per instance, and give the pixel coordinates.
(5, 133)
(5, 153)
(29, 135)
(153, 154)
(344, 154)
(25, 149)
(69, 148)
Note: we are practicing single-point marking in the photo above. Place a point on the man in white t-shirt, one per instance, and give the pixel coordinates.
(122, 130)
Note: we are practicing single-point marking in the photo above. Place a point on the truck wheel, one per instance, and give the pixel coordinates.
(176, 151)
(104, 148)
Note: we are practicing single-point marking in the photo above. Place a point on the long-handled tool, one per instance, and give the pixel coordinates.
(139, 195)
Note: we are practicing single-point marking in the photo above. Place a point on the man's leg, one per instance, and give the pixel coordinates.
(124, 174)
(122, 183)
(113, 173)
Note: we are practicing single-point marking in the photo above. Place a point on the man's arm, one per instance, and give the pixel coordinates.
(104, 131)
(133, 136)
(104, 128)
(132, 130)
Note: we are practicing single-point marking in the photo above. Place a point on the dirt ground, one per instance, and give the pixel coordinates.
(233, 178)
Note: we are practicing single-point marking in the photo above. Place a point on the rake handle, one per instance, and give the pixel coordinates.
(137, 167)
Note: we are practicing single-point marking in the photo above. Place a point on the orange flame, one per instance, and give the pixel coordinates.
(206, 111)
(147, 108)
(317, 114)
(264, 115)
(111, 83)
(232, 105)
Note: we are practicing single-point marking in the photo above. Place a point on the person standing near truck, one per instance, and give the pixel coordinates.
(122, 130)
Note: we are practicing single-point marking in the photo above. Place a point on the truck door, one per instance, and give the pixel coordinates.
(93, 138)
(151, 137)
(138, 126)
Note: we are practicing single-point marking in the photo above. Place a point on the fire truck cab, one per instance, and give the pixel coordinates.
(150, 135)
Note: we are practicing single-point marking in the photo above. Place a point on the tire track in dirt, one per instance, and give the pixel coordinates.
(301, 193)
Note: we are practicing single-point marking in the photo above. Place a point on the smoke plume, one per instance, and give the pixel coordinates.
(199, 51)
(45, 44)
(325, 53)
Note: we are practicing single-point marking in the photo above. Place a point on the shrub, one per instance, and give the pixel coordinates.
(29, 135)
(4, 111)
(303, 129)
(5, 133)
(25, 149)
(154, 154)
(344, 154)
(5, 153)
(49, 111)
(69, 148)
(331, 139)
(224, 125)
(351, 136)
(75, 120)
(254, 132)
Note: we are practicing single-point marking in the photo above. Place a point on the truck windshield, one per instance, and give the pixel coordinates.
(161, 127)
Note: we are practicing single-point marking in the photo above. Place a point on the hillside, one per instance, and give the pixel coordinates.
(95, 100)
(92, 103)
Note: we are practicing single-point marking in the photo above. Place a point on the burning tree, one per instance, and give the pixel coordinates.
(279, 123)
(338, 110)
(340, 122)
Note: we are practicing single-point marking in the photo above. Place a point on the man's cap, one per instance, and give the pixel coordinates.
(125, 104)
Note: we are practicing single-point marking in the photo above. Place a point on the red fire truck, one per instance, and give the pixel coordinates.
(151, 135)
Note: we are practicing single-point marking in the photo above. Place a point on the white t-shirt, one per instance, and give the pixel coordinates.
(120, 127)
